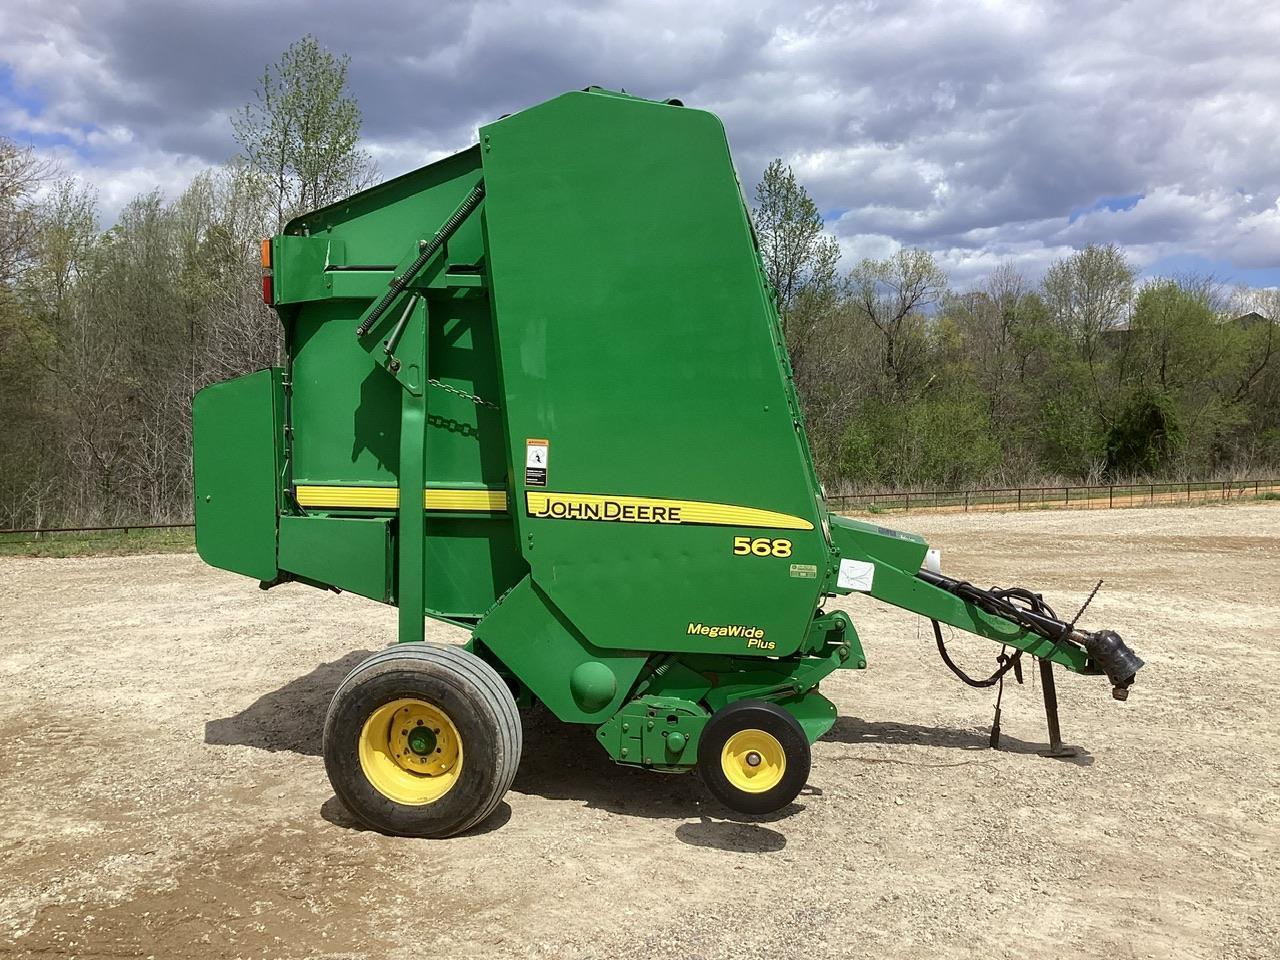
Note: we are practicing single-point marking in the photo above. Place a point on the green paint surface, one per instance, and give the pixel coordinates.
(636, 335)
(236, 428)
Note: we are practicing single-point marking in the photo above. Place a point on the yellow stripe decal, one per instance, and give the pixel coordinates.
(598, 506)
(441, 499)
(465, 500)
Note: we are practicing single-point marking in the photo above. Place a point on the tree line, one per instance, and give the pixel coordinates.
(1088, 375)
(106, 335)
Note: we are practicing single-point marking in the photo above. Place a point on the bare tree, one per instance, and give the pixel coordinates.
(892, 296)
(21, 172)
(28, 484)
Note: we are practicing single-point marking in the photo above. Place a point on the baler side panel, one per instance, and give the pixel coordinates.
(347, 412)
(237, 429)
(576, 680)
(636, 337)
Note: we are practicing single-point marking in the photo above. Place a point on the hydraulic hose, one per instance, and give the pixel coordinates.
(1007, 663)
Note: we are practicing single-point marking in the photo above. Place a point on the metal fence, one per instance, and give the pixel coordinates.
(1083, 497)
(33, 534)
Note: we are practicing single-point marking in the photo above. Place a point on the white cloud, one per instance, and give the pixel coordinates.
(974, 129)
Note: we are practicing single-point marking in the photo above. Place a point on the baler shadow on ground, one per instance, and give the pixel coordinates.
(563, 762)
(854, 730)
(560, 762)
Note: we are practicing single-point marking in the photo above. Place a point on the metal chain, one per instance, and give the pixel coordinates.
(478, 401)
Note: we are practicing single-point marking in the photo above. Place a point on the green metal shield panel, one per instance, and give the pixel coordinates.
(237, 429)
(535, 641)
(346, 410)
(351, 554)
(470, 562)
(637, 338)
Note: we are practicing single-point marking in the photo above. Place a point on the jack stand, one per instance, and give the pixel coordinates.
(1056, 747)
(1003, 659)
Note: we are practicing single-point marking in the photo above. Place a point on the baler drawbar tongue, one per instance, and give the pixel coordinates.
(1107, 652)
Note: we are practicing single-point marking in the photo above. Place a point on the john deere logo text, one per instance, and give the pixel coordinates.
(653, 510)
(601, 508)
(620, 508)
(753, 635)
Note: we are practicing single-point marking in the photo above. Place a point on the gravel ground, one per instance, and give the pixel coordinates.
(162, 793)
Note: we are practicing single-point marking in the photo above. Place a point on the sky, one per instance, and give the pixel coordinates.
(982, 131)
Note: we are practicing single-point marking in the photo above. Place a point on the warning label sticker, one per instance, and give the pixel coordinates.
(856, 575)
(535, 462)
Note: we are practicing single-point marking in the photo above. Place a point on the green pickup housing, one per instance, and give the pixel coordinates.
(574, 432)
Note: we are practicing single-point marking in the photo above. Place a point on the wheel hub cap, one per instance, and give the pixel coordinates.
(410, 751)
(753, 761)
(422, 741)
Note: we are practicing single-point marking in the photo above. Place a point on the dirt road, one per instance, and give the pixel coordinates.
(162, 794)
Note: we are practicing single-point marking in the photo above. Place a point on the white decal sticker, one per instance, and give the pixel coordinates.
(856, 575)
(535, 462)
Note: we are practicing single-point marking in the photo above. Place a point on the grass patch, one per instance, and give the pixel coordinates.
(92, 544)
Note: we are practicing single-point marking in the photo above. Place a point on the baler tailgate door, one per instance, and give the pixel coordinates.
(238, 430)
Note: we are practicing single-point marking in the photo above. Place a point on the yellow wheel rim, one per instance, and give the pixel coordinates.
(410, 752)
(753, 761)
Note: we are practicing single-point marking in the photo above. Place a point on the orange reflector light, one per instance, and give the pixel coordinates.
(266, 252)
(266, 290)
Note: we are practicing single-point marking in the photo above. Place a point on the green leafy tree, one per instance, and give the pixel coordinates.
(302, 131)
(799, 257)
(942, 439)
(1143, 436)
(1089, 292)
(800, 262)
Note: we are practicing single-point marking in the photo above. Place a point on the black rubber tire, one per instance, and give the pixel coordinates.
(476, 700)
(758, 715)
